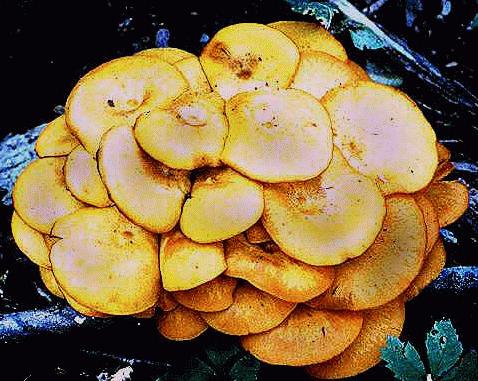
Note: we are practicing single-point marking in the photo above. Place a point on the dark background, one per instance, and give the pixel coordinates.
(48, 45)
(45, 47)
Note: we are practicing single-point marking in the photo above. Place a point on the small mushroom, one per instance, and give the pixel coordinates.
(30, 242)
(40, 195)
(364, 352)
(275, 272)
(88, 267)
(83, 179)
(186, 264)
(443, 153)
(316, 221)
(146, 191)
(450, 200)
(223, 203)
(56, 139)
(270, 143)
(166, 301)
(181, 324)
(189, 134)
(117, 92)
(252, 311)
(431, 219)
(387, 268)
(431, 269)
(257, 233)
(445, 166)
(319, 72)
(215, 295)
(311, 36)
(187, 63)
(48, 279)
(306, 337)
(246, 56)
(394, 144)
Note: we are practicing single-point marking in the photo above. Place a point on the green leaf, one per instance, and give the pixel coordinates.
(465, 370)
(443, 347)
(195, 370)
(218, 357)
(323, 12)
(245, 369)
(363, 38)
(383, 75)
(403, 360)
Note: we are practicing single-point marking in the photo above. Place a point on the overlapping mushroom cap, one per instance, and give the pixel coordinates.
(267, 189)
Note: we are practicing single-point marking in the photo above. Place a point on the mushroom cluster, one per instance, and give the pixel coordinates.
(267, 189)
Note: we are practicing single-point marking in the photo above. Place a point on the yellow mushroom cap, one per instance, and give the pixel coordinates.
(306, 337)
(146, 191)
(117, 92)
(245, 56)
(311, 36)
(215, 295)
(189, 134)
(450, 200)
(30, 242)
(83, 178)
(187, 63)
(56, 139)
(167, 54)
(387, 268)
(443, 153)
(359, 71)
(269, 142)
(48, 279)
(430, 217)
(430, 270)
(275, 272)
(252, 311)
(40, 195)
(257, 233)
(223, 203)
(192, 70)
(186, 264)
(166, 301)
(319, 72)
(83, 310)
(384, 135)
(316, 221)
(181, 324)
(364, 352)
(88, 267)
(445, 167)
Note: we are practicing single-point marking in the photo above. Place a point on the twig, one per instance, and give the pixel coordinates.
(124, 360)
(374, 7)
(15, 327)
(452, 90)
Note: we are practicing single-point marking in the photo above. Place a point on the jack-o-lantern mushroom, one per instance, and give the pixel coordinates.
(267, 189)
